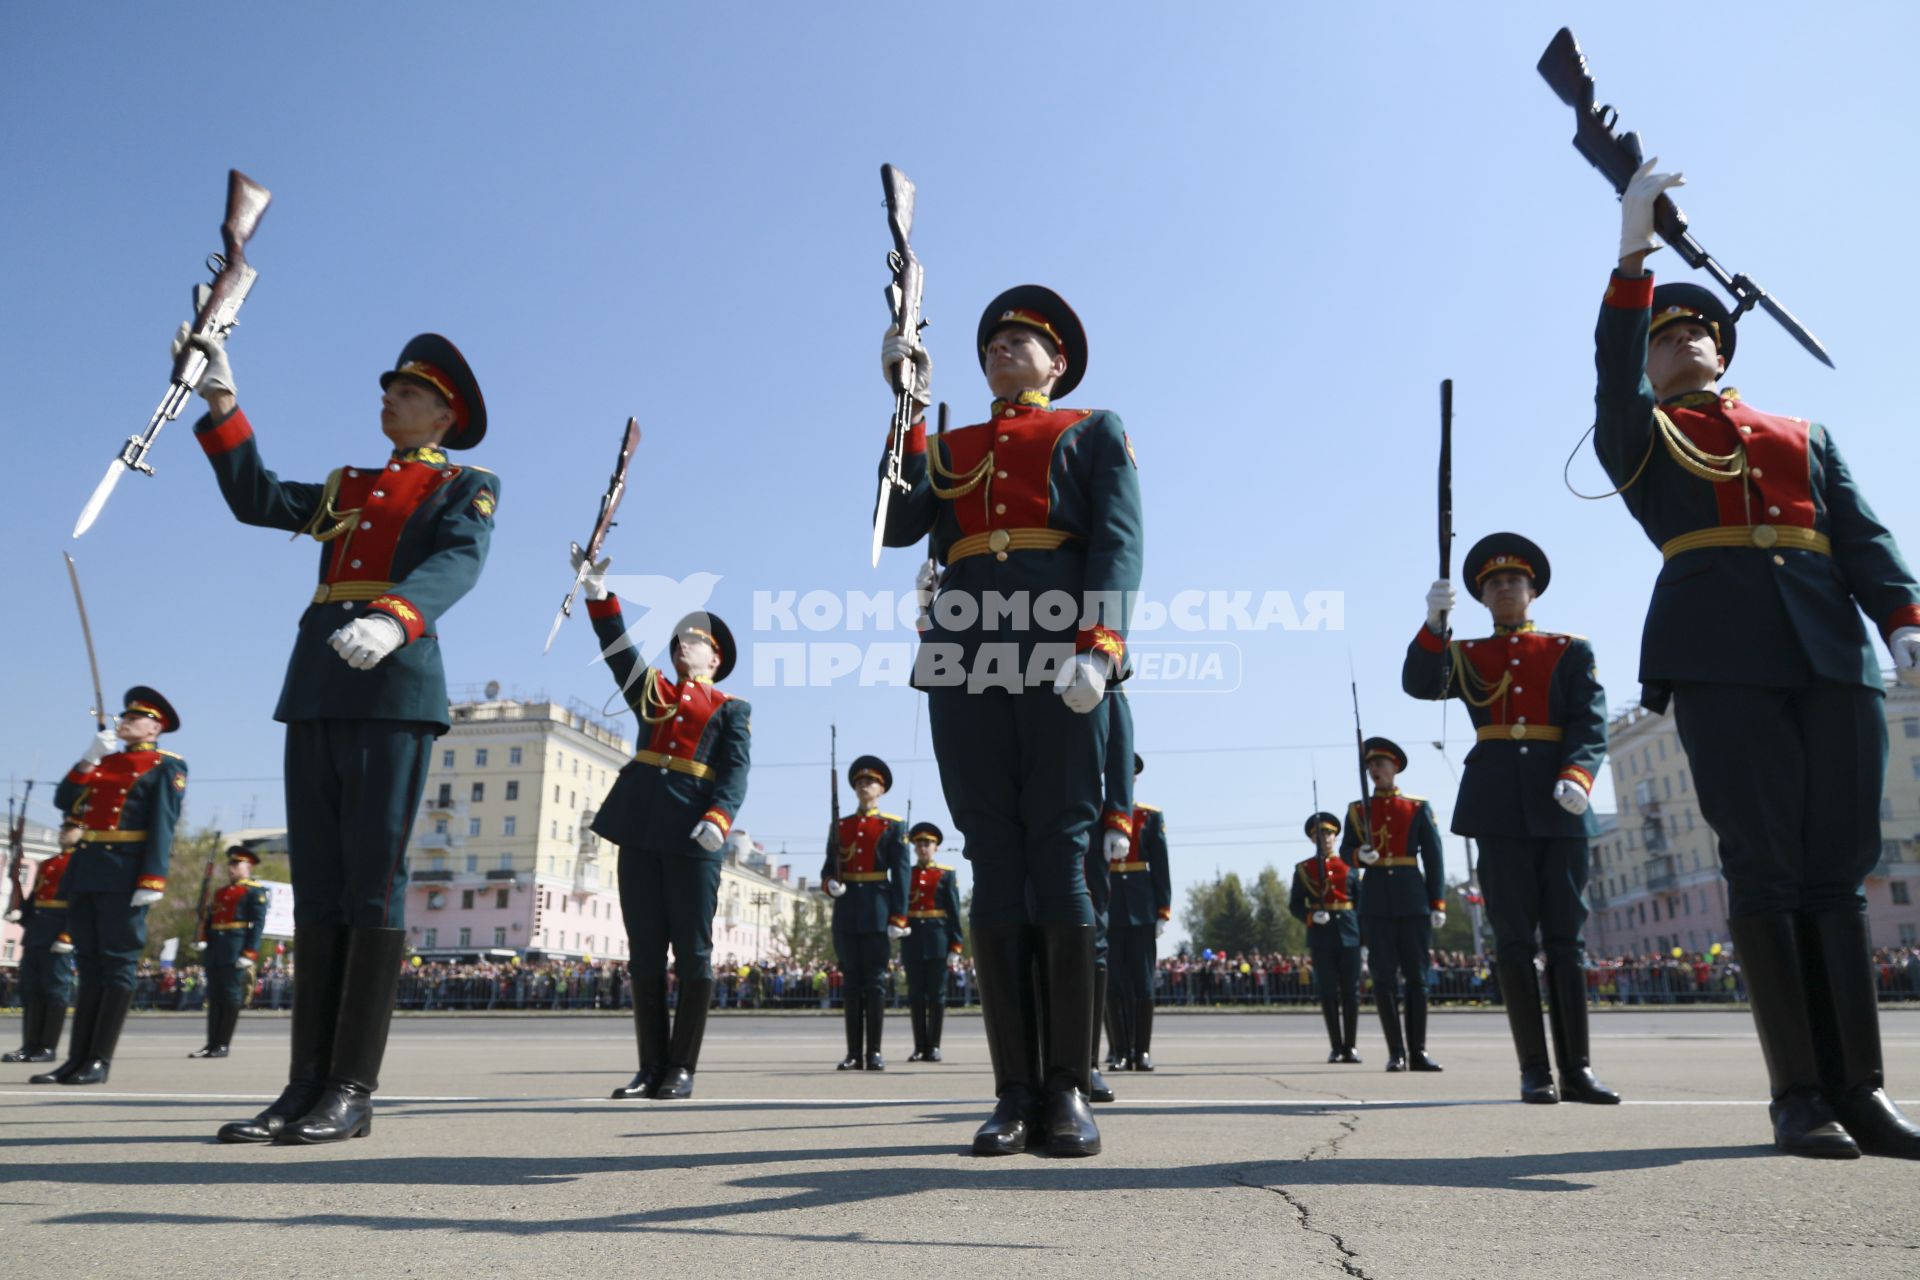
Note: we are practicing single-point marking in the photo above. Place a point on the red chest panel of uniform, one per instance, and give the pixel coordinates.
(386, 498)
(1015, 456)
(1390, 821)
(1779, 487)
(1339, 884)
(1140, 815)
(924, 893)
(697, 701)
(107, 787)
(46, 886)
(1525, 658)
(227, 903)
(860, 842)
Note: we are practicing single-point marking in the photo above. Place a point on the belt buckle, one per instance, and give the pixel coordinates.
(1765, 536)
(1517, 732)
(999, 540)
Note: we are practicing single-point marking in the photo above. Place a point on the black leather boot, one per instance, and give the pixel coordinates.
(1418, 1059)
(850, 1011)
(1068, 970)
(319, 966)
(876, 1018)
(1804, 1122)
(1003, 965)
(1117, 1038)
(689, 1031)
(1388, 1003)
(649, 1034)
(1330, 1013)
(1098, 1090)
(29, 1034)
(86, 1010)
(937, 1018)
(1841, 980)
(215, 1047)
(53, 1016)
(1567, 985)
(1349, 1026)
(1520, 993)
(345, 1106)
(917, 1016)
(1140, 1028)
(109, 1017)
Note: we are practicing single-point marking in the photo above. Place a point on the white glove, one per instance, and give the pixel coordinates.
(219, 374)
(61, 947)
(363, 642)
(99, 747)
(893, 349)
(924, 583)
(12, 917)
(1322, 917)
(1439, 919)
(595, 583)
(1118, 845)
(835, 889)
(199, 946)
(1368, 855)
(709, 837)
(1644, 189)
(898, 931)
(1571, 796)
(1082, 682)
(1904, 644)
(1159, 927)
(246, 962)
(1440, 601)
(146, 897)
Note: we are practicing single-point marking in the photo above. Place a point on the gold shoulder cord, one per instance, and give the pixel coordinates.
(1714, 468)
(650, 697)
(1474, 690)
(965, 483)
(328, 522)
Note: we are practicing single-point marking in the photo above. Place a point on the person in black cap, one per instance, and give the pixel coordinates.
(46, 956)
(128, 804)
(865, 874)
(1540, 734)
(670, 812)
(235, 919)
(933, 915)
(1753, 636)
(1140, 903)
(1322, 899)
(365, 695)
(1402, 898)
(1038, 505)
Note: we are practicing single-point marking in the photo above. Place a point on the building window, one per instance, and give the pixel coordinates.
(445, 799)
(437, 862)
(479, 757)
(1886, 806)
(473, 826)
(439, 826)
(1663, 750)
(1900, 895)
(446, 757)
(466, 937)
(573, 800)
(576, 769)
(499, 935)
(507, 825)
(473, 862)
(430, 939)
(466, 899)
(500, 899)
(513, 790)
(1889, 851)
(1909, 935)
(1910, 727)
(556, 793)
(436, 900)
(479, 792)
(553, 829)
(506, 862)
(1916, 766)
(513, 755)
(569, 835)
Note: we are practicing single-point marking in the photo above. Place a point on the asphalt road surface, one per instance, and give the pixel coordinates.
(497, 1152)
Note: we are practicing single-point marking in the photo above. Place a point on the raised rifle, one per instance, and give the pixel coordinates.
(217, 310)
(1446, 518)
(1618, 155)
(1360, 754)
(17, 853)
(903, 301)
(609, 504)
(200, 913)
(833, 790)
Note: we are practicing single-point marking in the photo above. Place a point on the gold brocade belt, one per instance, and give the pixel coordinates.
(112, 837)
(1127, 866)
(679, 764)
(1763, 536)
(237, 924)
(1334, 906)
(1397, 862)
(926, 915)
(1001, 541)
(861, 877)
(1519, 733)
(331, 592)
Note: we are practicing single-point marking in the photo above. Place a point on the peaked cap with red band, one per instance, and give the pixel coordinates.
(716, 632)
(148, 700)
(870, 767)
(1673, 303)
(1384, 747)
(927, 831)
(1039, 308)
(1507, 553)
(437, 364)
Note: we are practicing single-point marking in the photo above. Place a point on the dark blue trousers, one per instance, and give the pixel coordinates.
(1535, 886)
(1397, 946)
(668, 898)
(108, 935)
(353, 787)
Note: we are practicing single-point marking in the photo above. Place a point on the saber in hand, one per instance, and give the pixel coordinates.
(903, 300)
(99, 711)
(1446, 510)
(609, 503)
(216, 314)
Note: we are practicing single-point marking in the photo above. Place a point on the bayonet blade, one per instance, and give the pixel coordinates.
(1798, 330)
(880, 517)
(101, 492)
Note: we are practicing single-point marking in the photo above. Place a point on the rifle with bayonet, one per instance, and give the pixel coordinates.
(1619, 155)
(609, 504)
(216, 311)
(903, 301)
(1446, 515)
(1360, 754)
(202, 920)
(17, 854)
(833, 791)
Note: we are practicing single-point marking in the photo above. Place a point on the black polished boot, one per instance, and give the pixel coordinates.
(1330, 1013)
(345, 1107)
(30, 1046)
(1418, 1059)
(319, 967)
(228, 1026)
(1350, 1027)
(104, 1036)
(1068, 971)
(86, 1010)
(1140, 1029)
(1804, 1122)
(876, 1017)
(850, 1003)
(1388, 1003)
(1841, 980)
(1567, 985)
(649, 1035)
(215, 1047)
(53, 1017)
(917, 1017)
(936, 1019)
(1003, 965)
(1520, 993)
(1098, 1090)
(689, 1031)
(1117, 1037)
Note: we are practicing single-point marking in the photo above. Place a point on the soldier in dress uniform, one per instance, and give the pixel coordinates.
(1037, 505)
(1754, 637)
(365, 695)
(128, 803)
(866, 876)
(1540, 733)
(1139, 906)
(46, 956)
(670, 812)
(1402, 887)
(1322, 899)
(933, 915)
(235, 919)
(1116, 838)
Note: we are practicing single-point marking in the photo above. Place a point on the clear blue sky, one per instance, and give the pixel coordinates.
(1283, 226)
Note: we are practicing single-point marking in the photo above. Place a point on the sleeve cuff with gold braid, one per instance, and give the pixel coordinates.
(251, 955)
(1574, 773)
(956, 948)
(1165, 913)
(225, 436)
(898, 922)
(1439, 904)
(1099, 639)
(150, 882)
(1116, 820)
(1907, 615)
(401, 610)
(608, 608)
(1630, 293)
(1430, 640)
(719, 819)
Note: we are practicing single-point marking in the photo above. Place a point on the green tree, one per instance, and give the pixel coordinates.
(1221, 915)
(806, 938)
(1457, 933)
(1276, 929)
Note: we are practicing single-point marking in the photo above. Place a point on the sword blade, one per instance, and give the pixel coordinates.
(880, 518)
(1798, 330)
(86, 634)
(101, 492)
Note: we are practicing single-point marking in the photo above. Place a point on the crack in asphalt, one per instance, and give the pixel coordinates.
(1282, 1083)
(1349, 1124)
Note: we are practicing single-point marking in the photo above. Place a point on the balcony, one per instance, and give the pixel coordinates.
(503, 873)
(433, 875)
(1660, 874)
(438, 841)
